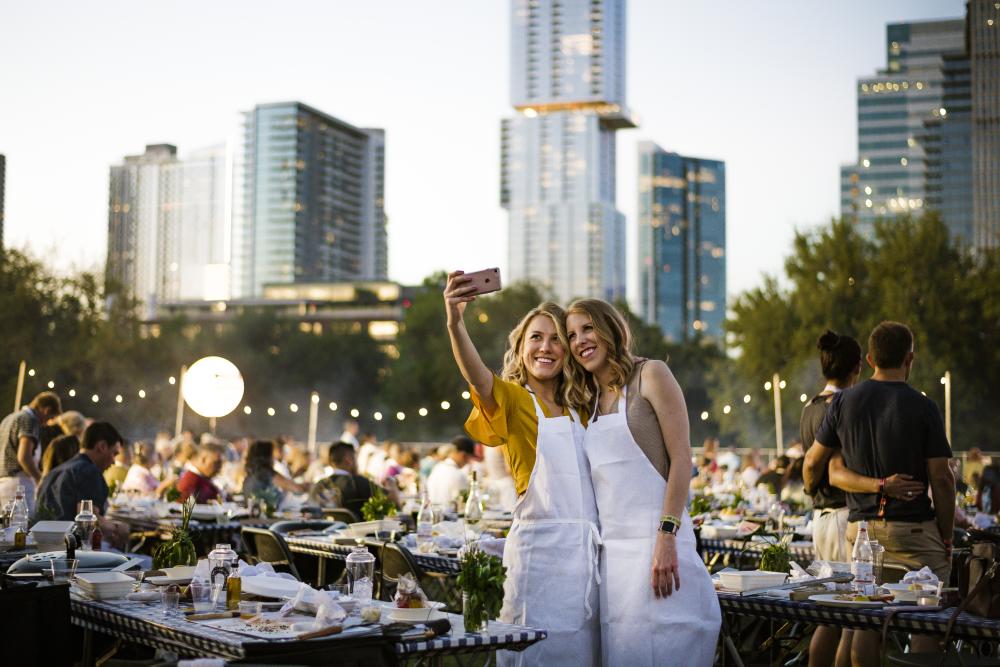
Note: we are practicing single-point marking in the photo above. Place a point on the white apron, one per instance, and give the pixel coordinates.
(551, 552)
(636, 628)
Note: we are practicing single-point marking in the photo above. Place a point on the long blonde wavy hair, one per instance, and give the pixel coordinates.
(570, 384)
(612, 329)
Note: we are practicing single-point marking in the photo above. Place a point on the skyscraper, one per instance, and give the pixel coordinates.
(167, 226)
(890, 175)
(309, 200)
(682, 243)
(984, 56)
(558, 152)
(3, 172)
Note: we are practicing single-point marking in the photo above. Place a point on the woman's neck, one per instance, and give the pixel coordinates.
(544, 389)
(603, 376)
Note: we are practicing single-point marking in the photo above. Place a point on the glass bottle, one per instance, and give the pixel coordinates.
(221, 562)
(425, 524)
(862, 562)
(234, 588)
(474, 504)
(86, 522)
(361, 573)
(18, 517)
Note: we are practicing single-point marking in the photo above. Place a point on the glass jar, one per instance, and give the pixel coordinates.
(474, 616)
(361, 573)
(86, 522)
(222, 561)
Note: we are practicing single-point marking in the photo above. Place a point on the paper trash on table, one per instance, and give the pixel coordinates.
(921, 576)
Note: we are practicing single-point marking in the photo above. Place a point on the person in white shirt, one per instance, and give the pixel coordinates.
(350, 434)
(450, 476)
(369, 446)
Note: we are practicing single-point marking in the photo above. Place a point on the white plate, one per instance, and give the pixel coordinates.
(168, 581)
(830, 600)
(409, 615)
(271, 587)
(179, 571)
(902, 592)
(750, 579)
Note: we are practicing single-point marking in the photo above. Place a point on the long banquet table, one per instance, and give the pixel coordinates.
(145, 624)
(750, 624)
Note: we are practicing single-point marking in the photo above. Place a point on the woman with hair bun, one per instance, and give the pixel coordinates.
(532, 410)
(658, 605)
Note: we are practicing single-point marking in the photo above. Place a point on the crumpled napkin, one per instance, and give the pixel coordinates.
(921, 576)
(311, 601)
(491, 545)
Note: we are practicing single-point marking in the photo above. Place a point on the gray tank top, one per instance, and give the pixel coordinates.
(642, 422)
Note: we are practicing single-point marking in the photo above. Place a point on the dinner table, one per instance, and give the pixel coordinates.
(761, 628)
(746, 554)
(146, 624)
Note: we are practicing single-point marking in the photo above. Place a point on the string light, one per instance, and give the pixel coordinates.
(118, 398)
(377, 416)
(746, 398)
(314, 398)
(333, 406)
(270, 412)
(31, 372)
(803, 398)
(247, 410)
(52, 385)
(445, 405)
(726, 409)
(172, 380)
(704, 416)
(95, 398)
(355, 413)
(422, 412)
(781, 385)
(142, 393)
(767, 386)
(72, 393)
(293, 407)
(400, 416)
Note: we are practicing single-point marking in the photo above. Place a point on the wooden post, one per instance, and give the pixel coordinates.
(313, 419)
(947, 404)
(19, 392)
(179, 422)
(778, 435)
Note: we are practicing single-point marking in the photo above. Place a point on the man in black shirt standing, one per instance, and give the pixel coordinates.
(886, 433)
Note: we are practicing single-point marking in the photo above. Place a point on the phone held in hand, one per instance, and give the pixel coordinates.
(485, 281)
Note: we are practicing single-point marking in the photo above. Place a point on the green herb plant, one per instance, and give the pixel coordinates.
(172, 494)
(270, 497)
(481, 580)
(179, 549)
(700, 505)
(379, 506)
(776, 556)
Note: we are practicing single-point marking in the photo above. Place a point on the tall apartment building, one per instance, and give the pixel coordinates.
(558, 152)
(682, 243)
(3, 172)
(889, 177)
(984, 57)
(167, 226)
(308, 200)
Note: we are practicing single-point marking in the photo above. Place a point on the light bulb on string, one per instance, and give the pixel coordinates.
(333, 406)
(247, 410)
(119, 398)
(445, 405)
(355, 413)
(142, 393)
(270, 412)
(422, 412)
(400, 416)
(377, 416)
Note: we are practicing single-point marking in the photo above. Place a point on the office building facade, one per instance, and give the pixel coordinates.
(308, 200)
(984, 57)
(3, 176)
(167, 226)
(682, 244)
(889, 177)
(558, 153)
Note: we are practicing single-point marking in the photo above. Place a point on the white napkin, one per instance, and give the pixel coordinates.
(921, 576)
(312, 601)
(202, 570)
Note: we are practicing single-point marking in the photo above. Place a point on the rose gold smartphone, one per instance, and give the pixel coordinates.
(485, 281)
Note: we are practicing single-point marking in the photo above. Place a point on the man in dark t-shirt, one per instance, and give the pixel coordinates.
(892, 449)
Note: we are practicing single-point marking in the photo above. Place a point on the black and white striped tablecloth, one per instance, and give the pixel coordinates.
(968, 626)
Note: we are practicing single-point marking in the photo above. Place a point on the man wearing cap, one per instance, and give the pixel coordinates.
(451, 476)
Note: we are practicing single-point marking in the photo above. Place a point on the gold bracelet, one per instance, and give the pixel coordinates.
(671, 518)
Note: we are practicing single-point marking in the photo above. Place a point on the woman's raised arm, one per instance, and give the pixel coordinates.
(457, 293)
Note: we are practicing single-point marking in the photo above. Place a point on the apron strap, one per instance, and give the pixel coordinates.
(541, 414)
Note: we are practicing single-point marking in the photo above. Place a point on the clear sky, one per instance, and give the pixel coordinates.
(766, 86)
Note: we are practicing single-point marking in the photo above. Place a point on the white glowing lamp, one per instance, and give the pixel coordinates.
(213, 387)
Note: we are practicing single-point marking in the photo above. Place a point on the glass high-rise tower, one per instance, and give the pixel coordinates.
(890, 175)
(167, 226)
(984, 57)
(682, 243)
(308, 204)
(558, 152)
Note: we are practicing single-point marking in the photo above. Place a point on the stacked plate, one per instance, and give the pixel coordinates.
(105, 585)
(51, 535)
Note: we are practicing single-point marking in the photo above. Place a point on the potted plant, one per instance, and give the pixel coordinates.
(481, 580)
(179, 549)
(378, 506)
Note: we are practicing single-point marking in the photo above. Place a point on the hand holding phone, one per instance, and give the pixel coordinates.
(485, 281)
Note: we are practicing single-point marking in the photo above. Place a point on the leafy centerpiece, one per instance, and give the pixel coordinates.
(379, 506)
(481, 580)
(179, 549)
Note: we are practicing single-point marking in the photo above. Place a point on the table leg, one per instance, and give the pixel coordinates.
(88, 648)
(321, 573)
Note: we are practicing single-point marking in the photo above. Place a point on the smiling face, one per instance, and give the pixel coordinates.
(586, 346)
(542, 352)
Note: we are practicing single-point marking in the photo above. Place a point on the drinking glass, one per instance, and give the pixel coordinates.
(878, 558)
(170, 599)
(63, 569)
(201, 596)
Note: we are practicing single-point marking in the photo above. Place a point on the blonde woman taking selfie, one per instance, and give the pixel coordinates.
(657, 599)
(552, 549)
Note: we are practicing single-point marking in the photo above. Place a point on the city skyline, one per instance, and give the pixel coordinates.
(731, 101)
